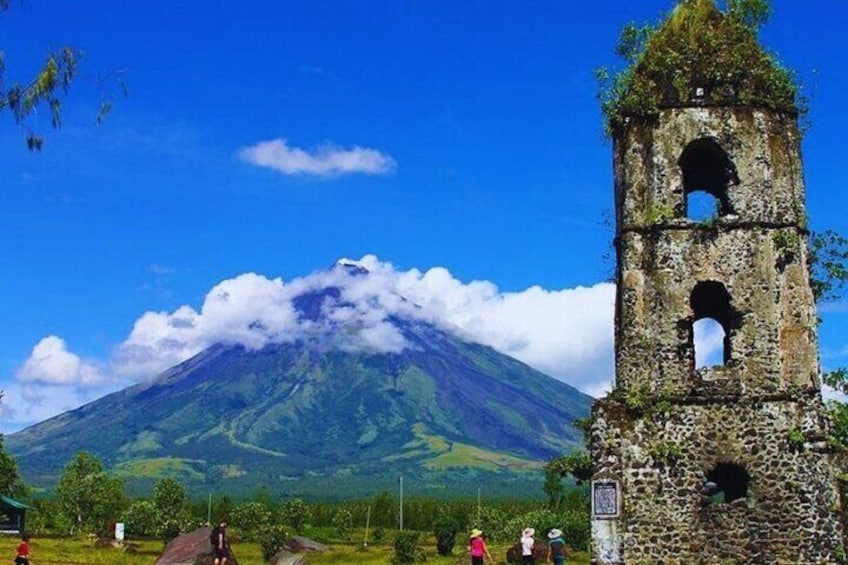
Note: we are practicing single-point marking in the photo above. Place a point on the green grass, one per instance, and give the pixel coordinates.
(381, 554)
(160, 467)
(446, 454)
(73, 551)
(76, 551)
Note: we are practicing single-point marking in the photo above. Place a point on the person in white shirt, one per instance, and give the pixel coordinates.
(527, 543)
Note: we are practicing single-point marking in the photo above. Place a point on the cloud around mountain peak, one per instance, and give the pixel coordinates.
(351, 306)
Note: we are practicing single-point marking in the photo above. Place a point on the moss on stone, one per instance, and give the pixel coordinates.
(699, 55)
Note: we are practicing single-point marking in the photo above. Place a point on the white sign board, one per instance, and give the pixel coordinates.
(606, 509)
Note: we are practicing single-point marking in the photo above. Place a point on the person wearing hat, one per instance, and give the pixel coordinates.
(527, 543)
(477, 547)
(557, 547)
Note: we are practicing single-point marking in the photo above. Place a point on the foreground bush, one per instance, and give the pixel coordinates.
(272, 539)
(406, 548)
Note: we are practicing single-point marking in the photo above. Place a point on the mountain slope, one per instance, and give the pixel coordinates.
(309, 416)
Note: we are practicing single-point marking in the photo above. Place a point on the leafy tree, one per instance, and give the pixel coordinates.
(752, 13)
(47, 518)
(263, 496)
(343, 522)
(553, 487)
(445, 530)
(87, 495)
(171, 505)
(827, 259)
(272, 539)
(45, 89)
(406, 548)
(11, 483)
(295, 513)
(384, 510)
(141, 518)
(491, 520)
(251, 518)
(221, 508)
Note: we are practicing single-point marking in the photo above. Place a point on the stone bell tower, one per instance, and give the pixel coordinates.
(727, 462)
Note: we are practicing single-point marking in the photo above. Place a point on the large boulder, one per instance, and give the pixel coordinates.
(192, 548)
(299, 544)
(540, 553)
(284, 557)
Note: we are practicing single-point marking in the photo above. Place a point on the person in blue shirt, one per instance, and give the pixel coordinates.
(556, 544)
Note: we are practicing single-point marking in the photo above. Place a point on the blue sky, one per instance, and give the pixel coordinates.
(454, 141)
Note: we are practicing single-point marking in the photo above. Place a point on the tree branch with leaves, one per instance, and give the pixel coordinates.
(47, 89)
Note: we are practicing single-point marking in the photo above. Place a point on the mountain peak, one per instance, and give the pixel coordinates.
(351, 267)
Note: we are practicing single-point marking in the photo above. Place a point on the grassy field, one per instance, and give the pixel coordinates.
(72, 551)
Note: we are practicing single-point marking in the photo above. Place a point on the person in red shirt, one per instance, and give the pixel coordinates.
(22, 557)
(477, 547)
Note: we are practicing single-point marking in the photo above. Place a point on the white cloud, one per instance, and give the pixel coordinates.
(565, 333)
(26, 403)
(50, 362)
(51, 381)
(324, 161)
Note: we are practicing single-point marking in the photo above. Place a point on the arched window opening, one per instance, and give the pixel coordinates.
(726, 482)
(710, 303)
(709, 340)
(707, 168)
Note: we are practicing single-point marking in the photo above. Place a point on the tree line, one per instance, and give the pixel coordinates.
(88, 500)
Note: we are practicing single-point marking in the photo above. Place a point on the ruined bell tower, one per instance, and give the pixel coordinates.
(727, 460)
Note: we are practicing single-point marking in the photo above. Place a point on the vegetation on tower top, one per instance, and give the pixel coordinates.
(699, 55)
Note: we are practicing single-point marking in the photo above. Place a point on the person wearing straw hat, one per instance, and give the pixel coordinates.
(527, 544)
(556, 543)
(477, 547)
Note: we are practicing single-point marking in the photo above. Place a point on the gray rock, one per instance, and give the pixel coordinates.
(284, 557)
(299, 544)
(192, 548)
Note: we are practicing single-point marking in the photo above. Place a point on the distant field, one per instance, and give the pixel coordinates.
(72, 551)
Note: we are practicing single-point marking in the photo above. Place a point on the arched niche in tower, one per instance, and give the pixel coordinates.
(707, 172)
(711, 301)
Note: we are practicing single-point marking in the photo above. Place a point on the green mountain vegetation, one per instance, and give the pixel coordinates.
(304, 420)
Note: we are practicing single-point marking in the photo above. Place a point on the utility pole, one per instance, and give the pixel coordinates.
(401, 503)
(478, 506)
(367, 523)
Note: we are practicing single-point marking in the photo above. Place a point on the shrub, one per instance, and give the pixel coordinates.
(343, 522)
(251, 518)
(697, 45)
(295, 513)
(141, 518)
(492, 521)
(272, 539)
(445, 531)
(406, 548)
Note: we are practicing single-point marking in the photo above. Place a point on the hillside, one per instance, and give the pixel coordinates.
(306, 418)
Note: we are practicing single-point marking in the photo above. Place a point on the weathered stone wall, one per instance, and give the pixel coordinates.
(774, 345)
(663, 452)
(764, 146)
(667, 428)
